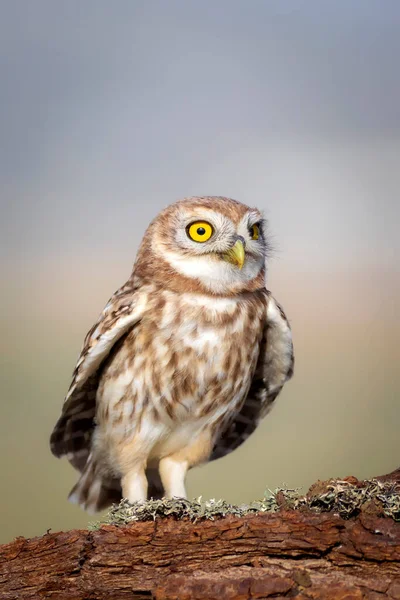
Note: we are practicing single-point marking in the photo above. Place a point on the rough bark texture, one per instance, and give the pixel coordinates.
(289, 553)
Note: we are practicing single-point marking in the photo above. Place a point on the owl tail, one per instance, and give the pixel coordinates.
(94, 493)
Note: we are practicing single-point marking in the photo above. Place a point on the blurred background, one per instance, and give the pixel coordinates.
(111, 110)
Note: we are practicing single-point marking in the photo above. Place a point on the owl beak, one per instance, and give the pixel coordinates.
(236, 255)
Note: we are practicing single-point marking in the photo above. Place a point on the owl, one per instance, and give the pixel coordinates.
(184, 361)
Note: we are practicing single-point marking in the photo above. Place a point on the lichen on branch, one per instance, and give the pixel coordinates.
(347, 498)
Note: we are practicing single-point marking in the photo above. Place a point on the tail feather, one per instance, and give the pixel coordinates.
(94, 493)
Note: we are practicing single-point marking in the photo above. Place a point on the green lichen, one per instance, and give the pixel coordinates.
(341, 497)
(348, 500)
(194, 510)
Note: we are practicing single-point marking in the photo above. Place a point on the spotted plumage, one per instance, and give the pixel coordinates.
(185, 360)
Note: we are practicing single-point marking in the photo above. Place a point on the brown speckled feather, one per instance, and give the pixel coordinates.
(185, 360)
(72, 434)
(261, 395)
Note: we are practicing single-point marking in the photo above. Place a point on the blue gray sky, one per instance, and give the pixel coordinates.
(110, 110)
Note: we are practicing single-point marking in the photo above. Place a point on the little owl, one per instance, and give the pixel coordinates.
(184, 361)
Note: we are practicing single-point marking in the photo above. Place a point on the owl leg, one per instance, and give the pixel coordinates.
(173, 474)
(173, 468)
(131, 462)
(129, 458)
(134, 484)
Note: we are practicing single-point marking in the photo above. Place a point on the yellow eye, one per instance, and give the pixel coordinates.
(200, 231)
(254, 231)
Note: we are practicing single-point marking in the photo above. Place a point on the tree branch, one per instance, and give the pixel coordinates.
(289, 553)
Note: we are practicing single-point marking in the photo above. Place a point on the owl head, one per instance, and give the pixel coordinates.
(207, 244)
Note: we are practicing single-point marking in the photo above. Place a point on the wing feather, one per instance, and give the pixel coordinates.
(72, 434)
(275, 367)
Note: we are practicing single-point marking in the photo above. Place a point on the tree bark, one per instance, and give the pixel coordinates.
(290, 553)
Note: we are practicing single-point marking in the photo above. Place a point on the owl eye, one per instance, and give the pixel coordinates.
(254, 232)
(200, 231)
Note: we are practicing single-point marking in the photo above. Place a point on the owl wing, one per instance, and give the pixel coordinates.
(274, 368)
(73, 431)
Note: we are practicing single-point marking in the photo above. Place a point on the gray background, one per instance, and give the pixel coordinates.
(111, 110)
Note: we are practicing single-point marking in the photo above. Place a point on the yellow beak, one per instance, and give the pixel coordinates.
(236, 254)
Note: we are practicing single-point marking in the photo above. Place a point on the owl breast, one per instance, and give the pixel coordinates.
(187, 365)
